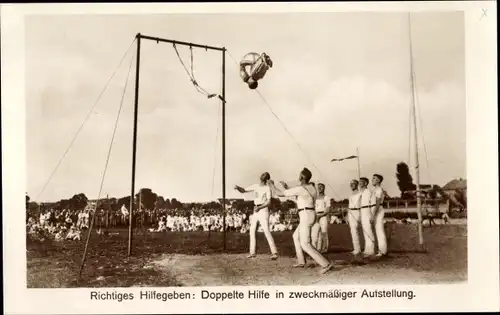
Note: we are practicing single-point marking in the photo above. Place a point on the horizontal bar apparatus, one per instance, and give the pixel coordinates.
(158, 39)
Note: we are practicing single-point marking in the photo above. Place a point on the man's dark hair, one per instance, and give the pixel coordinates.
(364, 179)
(266, 176)
(306, 173)
(321, 184)
(253, 85)
(380, 177)
(355, 181)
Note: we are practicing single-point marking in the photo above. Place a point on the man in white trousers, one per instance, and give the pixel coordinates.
(354, 216)
(378, 213)
(319, 233)
(366, 216)
(306, 195)
(262, 200)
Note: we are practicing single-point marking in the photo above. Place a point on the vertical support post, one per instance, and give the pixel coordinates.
(417, 182)
(139, 206)
(134, 144)
(415, 139)
(224, 143)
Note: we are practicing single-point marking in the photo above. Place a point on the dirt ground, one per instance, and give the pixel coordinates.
(222, 270)
(198, 259)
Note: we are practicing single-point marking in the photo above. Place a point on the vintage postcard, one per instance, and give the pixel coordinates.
(250, 157)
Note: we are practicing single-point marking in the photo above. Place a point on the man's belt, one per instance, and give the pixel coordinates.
(363, 207)
(354, 208)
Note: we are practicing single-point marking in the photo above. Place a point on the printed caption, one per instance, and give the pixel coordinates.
(171, 295)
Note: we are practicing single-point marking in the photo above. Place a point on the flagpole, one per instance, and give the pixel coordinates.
(414, 116)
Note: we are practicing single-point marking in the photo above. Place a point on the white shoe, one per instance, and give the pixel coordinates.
(326, 269)
(355, 253)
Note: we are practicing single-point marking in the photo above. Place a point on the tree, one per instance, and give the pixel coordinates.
(189, 205)
(433, 194)
(77, 202)
(32, 210)
(124, 201)
(175, 204)
(112, 204)
(461, 196)
(214, 205)
(147, 197)
(405, 181)
(160, 203)
(168, 204)
(63, 204)
(27, 201)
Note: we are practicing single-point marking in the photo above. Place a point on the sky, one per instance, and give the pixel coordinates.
(340, 81)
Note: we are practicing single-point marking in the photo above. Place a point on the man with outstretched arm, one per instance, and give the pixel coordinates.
(262, 200)
(306, 196)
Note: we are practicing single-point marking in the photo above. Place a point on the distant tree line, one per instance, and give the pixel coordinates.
(151, 201)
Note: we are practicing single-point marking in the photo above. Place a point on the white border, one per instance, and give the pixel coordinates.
(481, 293)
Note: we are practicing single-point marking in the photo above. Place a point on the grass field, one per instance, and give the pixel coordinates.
(194, 259)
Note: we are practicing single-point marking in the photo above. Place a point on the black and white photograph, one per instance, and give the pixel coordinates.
(255, 149)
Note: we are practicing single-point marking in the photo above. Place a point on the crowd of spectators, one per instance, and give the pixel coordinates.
(69, 224)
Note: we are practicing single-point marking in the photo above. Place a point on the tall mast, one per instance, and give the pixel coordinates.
(134, 147)
(415, 137)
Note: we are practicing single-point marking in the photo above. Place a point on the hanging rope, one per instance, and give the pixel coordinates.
(105, 168)
(193, 79)
(191, 75)
(192, 62)
(83, 124)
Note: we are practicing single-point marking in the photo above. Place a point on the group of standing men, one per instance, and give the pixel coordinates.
(365, 207)
(311, 235)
